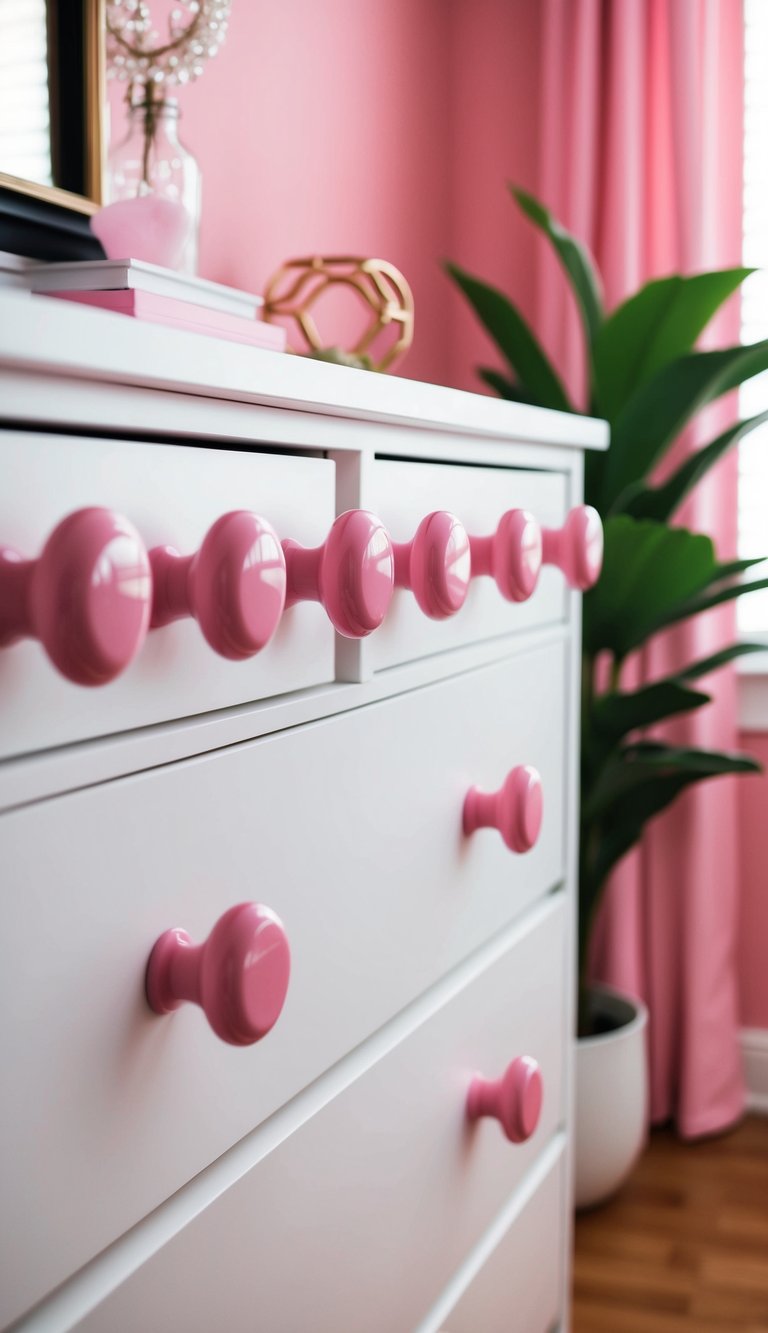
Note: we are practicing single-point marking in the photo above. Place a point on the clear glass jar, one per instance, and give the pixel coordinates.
(152, 160)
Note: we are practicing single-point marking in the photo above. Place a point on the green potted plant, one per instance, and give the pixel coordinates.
(648, 382)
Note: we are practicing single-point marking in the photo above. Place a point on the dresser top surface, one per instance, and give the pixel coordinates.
(42, 335)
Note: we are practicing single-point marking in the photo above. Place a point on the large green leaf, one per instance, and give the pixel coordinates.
(730, 568)
(657, 411)
(575, 259)
(617, 713)
(656, 325)
(620, 712)
(594, 469)
(715, 661)
(504, 387)
(603, 845)
(648, 570)
(660, 502)
(515, 339)
(706, 600)
(623, 828)
(644, 762)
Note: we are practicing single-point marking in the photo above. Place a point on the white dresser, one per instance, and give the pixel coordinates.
(333, 1176)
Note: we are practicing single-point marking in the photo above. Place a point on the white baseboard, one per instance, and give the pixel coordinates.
(754, 1049)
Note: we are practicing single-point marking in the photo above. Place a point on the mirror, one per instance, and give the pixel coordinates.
(51, 112)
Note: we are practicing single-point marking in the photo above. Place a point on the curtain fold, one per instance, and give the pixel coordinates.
(641, 143)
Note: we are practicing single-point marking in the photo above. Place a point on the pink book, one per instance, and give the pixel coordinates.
(181, 315)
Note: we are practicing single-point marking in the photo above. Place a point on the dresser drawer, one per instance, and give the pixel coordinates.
(358, 1219)
(520, 1286)
(362, 855)
(172, 494)
(403, 493)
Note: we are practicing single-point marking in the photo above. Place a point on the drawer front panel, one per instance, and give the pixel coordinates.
(358, 1219)
(362, 857)
(519, 1286)
(172, 494)
(403, 493)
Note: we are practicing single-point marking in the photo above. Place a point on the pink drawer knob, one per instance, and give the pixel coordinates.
(435, 565)
(514, 1099)
(239, 976)
(515, 809)
(577, 547)
(351, 574)
(234, 586)
(86, 598)
(511, 555)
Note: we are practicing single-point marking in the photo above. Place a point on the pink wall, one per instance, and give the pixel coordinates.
(494, 100)
(753, 847)
(383, 130)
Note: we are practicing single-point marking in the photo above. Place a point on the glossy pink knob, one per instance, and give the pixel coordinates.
(352, 574)
(234, 586)
(435, 565)
(577, 547)
(511, 555)
(239, 976)
(514, 1099)
(86, 598)
(515, 809)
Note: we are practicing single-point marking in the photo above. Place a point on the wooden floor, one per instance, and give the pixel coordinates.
(685, 1244)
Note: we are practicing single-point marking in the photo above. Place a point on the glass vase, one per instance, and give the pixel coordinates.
(151, 159)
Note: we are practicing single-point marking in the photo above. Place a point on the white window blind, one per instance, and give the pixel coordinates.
(25, 139)
(753, 396)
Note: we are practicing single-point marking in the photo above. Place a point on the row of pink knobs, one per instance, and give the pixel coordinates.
(95, 591)
(239, 976)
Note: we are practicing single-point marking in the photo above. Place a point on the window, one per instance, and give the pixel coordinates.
(753, 396)
(25, 140)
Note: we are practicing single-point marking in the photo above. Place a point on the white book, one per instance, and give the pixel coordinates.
(99, 275)
(12, 271)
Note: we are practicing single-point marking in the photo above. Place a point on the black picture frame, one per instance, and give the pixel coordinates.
(40, 229)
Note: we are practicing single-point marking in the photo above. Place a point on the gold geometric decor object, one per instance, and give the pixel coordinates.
(299, 284)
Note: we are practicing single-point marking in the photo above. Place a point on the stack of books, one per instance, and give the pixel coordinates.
(159, 295)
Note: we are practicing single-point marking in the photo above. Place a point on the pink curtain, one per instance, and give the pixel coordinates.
(641, 157)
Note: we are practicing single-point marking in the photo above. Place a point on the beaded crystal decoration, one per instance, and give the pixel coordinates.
(139, 55)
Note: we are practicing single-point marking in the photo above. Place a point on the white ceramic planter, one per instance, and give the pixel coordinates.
(611, 1098)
